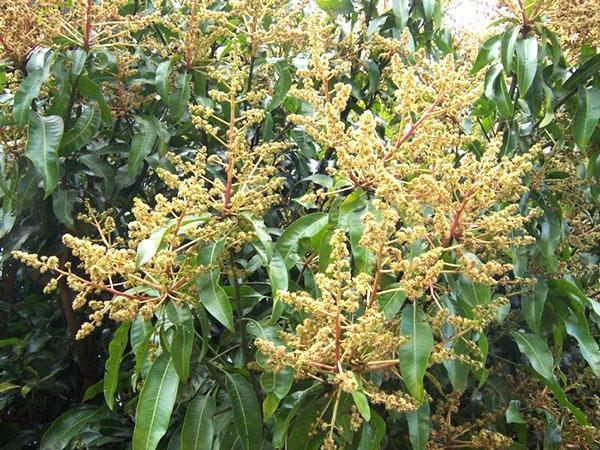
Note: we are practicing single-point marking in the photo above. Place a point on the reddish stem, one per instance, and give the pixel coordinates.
(456, 218)
(413, 128)
(377, 280)
(87, 34)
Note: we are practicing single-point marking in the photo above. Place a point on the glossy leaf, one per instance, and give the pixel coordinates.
(179, 97)
(62, 205)
(65, 428)
(83, 131)
(507, 50)
(155, 404)
(162, 80)
(183, 339)
(141, 145)
(527, 53)
(587, 344)
(307, 226)
(282, 85)
(212, 295)
(113, 363)
(414, 354)
(246, 412)
(418, 427)
(587, 116)
(45, 134)
(198, 430)
(533, 305)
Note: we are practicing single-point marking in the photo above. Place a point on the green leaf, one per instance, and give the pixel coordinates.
(83, 131)
(246, 411)
(587, 115)
(336, 6)
(282, 85)
(537, 353)
(28, 90)
(147, 248)
(401, 11)
(113, 363)
(90, 89)
(584, 73)
(540, 358)
(62, 205)
(141, 144)
(587, 345)
(527, 52)
(513, 414)
(361, 402)
(474, 293)
(155, 404)
(533, 305)
(65, 428)
(489, 52)
(42, 147)
(162, 80)
(180, 97)
(372, 433)
(276, 385)
(198, 430)
(183, 339)
(264, 247)
(501, 97)
(212, 295)
(390, 303)
(507, 48)
(418, 427)
(279, 280)
(428, 8)
(414, 354)
(306, 226)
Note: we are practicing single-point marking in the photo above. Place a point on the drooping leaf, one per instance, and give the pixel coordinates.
(306, 226)
(180, 97)
(155, 404)
(162, 80)
(428, 8)
(29, 89)
(212, 295)
(372, 433)
(587, 115)
(113, 363)
(401, 10)
(65, 428)
(246, 412)
(489, 52)
(282, 85)
(83, 131)
(418, 427)
(533, 305)
(582, 74)
(42, 147)
(198, 430)
(62, 205)
(183, 339)
(92, 90)
(414, 354)
(587, 344)
(141, 144)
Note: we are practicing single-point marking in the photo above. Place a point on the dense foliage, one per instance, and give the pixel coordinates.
(254, 224)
